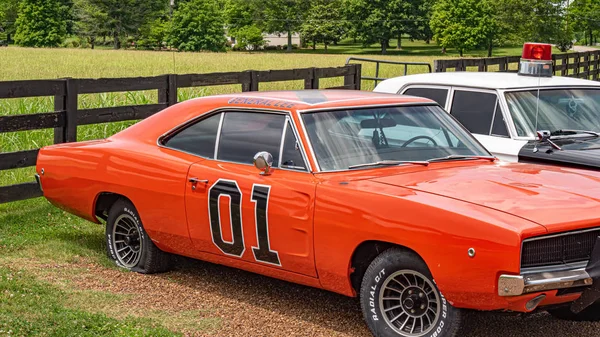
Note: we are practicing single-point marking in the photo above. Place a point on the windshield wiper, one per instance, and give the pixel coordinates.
(389, 163)
(567, 132)
(461, 157)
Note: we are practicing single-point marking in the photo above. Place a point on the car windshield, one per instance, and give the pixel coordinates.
(559, 109)
(344, 139)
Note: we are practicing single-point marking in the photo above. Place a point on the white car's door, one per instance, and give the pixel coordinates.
(502, 147)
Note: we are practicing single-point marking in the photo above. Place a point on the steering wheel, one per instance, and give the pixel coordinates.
(419, 137)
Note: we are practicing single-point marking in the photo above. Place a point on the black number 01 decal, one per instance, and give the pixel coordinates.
(236, 247)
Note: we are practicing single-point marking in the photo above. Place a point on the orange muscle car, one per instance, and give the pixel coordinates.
(373, 195)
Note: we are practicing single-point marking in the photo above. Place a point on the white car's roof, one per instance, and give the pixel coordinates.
(482, 80)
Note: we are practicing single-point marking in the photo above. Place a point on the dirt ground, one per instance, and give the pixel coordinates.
(247, 304)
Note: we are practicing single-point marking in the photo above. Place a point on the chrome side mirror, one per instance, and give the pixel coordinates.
(263, 161)
(543, 136)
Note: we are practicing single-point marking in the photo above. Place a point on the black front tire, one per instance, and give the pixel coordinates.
(387, 317)
(589, 314)
(127, 243)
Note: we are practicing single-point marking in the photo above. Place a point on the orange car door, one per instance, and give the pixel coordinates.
(236, 211)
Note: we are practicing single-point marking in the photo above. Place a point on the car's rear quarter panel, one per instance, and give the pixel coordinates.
(152, 178)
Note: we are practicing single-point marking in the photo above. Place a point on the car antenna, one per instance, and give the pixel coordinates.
(537, 110)
(536, 60)
(172, 7)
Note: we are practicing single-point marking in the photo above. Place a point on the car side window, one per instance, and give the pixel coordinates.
(435, 94)
(199, 138)
(291, 157)
(244, 134)
(474, 110)
(499, 126)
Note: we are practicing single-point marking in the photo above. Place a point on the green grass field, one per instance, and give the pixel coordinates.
(37, 240)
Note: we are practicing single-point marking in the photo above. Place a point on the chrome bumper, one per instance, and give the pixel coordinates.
(39, 182)
(511, 285)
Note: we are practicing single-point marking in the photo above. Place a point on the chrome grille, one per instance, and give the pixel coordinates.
(559, 249)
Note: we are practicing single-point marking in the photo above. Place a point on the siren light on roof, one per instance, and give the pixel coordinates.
(536, 60)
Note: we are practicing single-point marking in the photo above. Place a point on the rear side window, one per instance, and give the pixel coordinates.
(474, 110)
(438, 95)
(244, 134)
(199, 138)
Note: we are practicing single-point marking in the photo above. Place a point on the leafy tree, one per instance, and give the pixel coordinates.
(584, 14)
(324, 22)
(240, 14)
(89, 21)
(125, 17)
(8, 16)
(284, 16)
(461, 24)
(198, 25)
(154, 34)
(250, 37)
(546, 21)
(378, 21)
(40, 23)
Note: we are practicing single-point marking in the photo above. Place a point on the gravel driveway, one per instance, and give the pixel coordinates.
(253, 305)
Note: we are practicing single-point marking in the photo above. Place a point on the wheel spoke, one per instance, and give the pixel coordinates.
(393, 289)
(402, 285)
(123, 226)
(122, 249)
(404, 324)
(123, 234)
(391, 299)
(392, 308)
(413, 326)
(395, 318)
(133, 257)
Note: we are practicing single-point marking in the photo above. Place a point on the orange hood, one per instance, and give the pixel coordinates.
(556, 198)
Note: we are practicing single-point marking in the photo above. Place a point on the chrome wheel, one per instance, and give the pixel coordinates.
(127, 241)
(410, 303)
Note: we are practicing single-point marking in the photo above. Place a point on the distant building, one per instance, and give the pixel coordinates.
(281, 39)
(275, 39)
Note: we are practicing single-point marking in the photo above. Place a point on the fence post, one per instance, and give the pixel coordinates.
(596, 64)
(358, 76)
(350, 80)
(586, 65)
(312, 81)
(60, 104)
(254, 80)
(71, 108)
(252, 85)
(168, 95)
(437, 66)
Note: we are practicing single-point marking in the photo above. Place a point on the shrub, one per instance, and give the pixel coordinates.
(40, 23)
(198, 25)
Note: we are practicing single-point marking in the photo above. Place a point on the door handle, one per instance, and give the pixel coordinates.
(196, 181)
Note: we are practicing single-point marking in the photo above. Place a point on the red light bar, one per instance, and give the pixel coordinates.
(537, 51)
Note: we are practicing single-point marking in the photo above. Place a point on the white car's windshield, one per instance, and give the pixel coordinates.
(346, 139)
(559, 109)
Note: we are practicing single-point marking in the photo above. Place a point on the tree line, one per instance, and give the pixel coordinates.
(194, 25)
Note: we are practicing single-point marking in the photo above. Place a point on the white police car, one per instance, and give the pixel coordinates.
(507, 112)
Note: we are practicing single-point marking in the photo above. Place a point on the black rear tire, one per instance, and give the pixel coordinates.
(127, 243)
(420, 307)
(589, 314)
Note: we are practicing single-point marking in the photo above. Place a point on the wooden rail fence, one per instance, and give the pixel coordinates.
(66, 116)
(581, 65)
